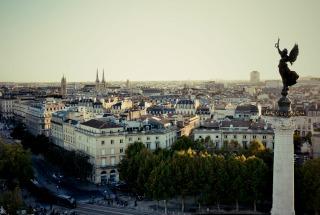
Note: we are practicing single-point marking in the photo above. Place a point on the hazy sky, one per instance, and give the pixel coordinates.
(155, 40)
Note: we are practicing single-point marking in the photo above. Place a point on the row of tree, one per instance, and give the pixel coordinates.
(72, 163)
(187, 171)
(219, 177)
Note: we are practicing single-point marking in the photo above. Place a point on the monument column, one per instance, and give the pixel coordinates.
(283, 167)
(283, 156)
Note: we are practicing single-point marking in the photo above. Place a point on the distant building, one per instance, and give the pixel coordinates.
(187, 106)
(6, 108)
(36, 115)
(241, 131)
(106, 140)
(273, 83)
(254, 77)
(63, 86)
(100, 86)
(246, 112)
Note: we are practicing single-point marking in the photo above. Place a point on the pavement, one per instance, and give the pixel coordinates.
(93, 209)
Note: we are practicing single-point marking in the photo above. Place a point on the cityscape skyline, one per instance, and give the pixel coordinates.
(149, 41)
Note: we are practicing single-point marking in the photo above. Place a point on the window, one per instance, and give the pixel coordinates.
(148, 138)
(102, 142)
(121, 150)
(157, 138)
(244, 136)
(112, 141)
(103, 162)
(217, 137)
(254, 136)
(157, 145)
(138, 138)
(244, 144)
(130, 139)
(113, 160)
(264, 137)
(200, 137)
(226, 136)
(148, 145)
(235, 136)
(121, 140)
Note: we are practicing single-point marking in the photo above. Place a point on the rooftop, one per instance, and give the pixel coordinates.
(94, 123)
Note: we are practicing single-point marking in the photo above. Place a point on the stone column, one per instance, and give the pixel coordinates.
(283, 167)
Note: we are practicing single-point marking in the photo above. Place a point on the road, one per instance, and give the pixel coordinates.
(44, 177)
(90, 209)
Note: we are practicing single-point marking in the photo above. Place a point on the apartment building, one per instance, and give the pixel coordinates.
(106, 139)
(236, 130)
(6, 108)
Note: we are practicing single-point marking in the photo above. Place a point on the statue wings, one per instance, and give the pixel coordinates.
(293, 54)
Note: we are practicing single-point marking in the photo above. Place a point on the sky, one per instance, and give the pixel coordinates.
(42, 40)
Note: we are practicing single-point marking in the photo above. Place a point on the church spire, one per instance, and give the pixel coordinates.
(103, 80)
(97, 78)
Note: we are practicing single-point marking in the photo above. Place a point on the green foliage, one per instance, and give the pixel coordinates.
(15, 164)
(234, 145)
(133, 149)
(72, 163)
(255, 175)
(11, 200)
(160, 185)
(310, 178)
(297, 141)
(164, 174)
(235, 177)
(255, 147)
(184, 143)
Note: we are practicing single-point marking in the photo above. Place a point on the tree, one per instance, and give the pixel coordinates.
(134, 148)
(15, 164)
(202, 171)
(147, 162)
(160, 185)
(297, 141)
(130, 165)
(19, 131)
(233, 145)
(235, 168)
(184, 143)
(216, 179)
(183, 174)
(255, 147)
(11, 200)
(310, 175)
(255, 173)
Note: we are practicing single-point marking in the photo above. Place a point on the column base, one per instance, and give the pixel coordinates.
(278, 211)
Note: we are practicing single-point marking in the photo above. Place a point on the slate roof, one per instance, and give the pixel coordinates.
(185, 101)
(94, 123)
(247, 109)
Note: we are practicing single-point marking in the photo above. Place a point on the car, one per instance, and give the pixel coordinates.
(67, 201)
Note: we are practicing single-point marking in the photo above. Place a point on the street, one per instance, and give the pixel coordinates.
(91, 209)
